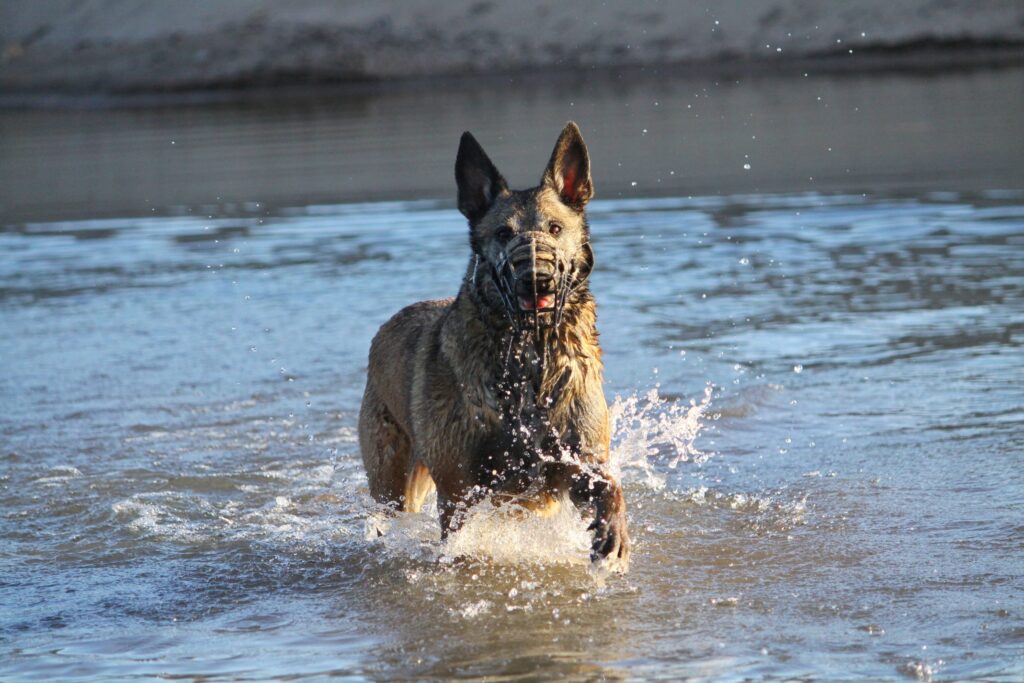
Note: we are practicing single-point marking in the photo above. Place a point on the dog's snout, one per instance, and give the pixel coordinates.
(536, 269)
(536, 273)
(535, 283)
(533, 258)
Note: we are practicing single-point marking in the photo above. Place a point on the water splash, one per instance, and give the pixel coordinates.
(505, 535)
(509, 536)
(650, 429)
(650, 433)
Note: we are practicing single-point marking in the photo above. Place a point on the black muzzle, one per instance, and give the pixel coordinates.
(535, 278)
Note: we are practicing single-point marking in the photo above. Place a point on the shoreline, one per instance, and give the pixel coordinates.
(117, 48)
(922, 58)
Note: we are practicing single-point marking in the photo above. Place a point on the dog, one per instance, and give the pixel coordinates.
(497, 393)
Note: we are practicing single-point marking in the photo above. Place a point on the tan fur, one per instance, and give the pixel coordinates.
(432, 409)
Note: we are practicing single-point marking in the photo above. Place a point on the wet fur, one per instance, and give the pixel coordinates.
(459, 398)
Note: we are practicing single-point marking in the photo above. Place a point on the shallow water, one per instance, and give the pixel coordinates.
(181, 494)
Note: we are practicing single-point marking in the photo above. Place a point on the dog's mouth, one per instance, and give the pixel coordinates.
(534, 285)
(542, 302)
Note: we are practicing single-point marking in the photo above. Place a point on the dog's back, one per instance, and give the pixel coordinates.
(386, 418)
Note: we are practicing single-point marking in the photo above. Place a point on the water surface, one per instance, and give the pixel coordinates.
(181, 494)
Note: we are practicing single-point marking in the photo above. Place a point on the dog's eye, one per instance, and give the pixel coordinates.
(554, 229)
(504, 234)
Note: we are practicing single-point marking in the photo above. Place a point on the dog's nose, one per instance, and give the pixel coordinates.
(535, 283)
(531, 256)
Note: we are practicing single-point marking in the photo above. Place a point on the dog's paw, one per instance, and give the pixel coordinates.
(611, 544)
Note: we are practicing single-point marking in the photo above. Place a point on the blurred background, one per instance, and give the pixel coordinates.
(126, 106)
(809, 228)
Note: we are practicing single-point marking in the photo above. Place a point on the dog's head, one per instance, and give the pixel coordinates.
(531, 247)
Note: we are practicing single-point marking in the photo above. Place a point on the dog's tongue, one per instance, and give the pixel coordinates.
(543, 301)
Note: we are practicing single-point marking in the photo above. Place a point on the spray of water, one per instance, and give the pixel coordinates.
(650, 432)
(651, 435)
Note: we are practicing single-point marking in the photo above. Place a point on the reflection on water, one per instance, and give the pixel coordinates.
(186, 301)
(649, 134)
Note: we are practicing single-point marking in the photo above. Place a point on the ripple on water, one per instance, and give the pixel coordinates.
(181, 459)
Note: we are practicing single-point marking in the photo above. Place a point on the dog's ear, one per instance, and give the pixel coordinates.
(478, 180)
(568, 172)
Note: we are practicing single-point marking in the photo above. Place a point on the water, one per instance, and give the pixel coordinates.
(817, 395)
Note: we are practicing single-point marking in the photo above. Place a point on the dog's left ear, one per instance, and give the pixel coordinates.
(568, 172)
(477, 178)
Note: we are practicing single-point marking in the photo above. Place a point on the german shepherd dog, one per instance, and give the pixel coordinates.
(497, 393)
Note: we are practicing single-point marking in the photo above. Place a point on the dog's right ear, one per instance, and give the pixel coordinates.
(568, 172)
(478, 180)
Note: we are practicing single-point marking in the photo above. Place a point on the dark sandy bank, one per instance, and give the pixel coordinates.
(89, 46)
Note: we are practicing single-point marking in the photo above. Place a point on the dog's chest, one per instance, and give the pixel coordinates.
(520, 438)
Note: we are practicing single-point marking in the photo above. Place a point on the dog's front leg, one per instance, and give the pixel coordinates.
(593, 486)
(611, 538)
(450, 515)
(452, 509)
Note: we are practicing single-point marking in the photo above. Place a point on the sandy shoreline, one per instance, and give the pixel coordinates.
(118, 46)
